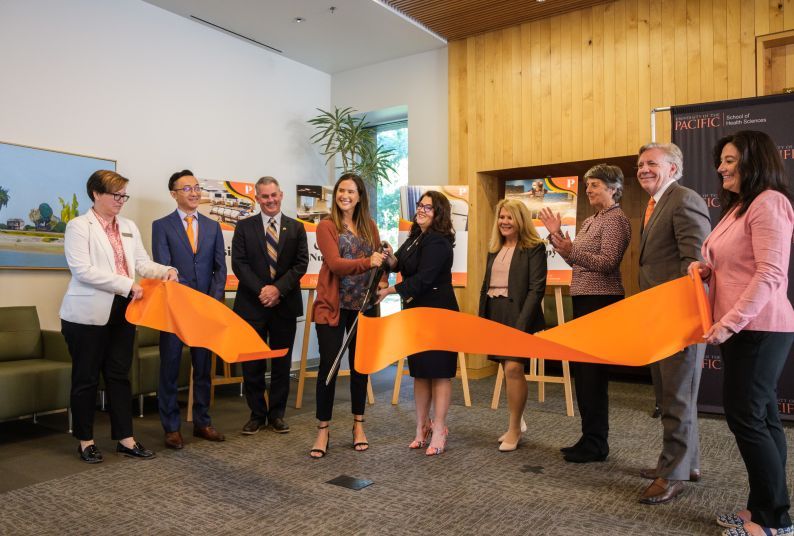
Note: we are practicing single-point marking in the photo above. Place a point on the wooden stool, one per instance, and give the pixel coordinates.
(303, 373)
(462, 372)
(537, 370)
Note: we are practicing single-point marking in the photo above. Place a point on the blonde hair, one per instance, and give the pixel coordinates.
(527, 235)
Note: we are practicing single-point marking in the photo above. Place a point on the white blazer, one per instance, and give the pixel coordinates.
(95, 282)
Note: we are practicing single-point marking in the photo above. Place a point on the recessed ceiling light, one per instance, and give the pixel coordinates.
(299, 19)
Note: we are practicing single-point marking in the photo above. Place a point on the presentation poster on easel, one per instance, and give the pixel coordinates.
(559, 194)
(313, 204)
(459, 200)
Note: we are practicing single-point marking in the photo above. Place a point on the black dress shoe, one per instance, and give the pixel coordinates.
(279, 426)
(252, 427)
(582, 455)
(575, 446)
(90, 454)
(137, 451)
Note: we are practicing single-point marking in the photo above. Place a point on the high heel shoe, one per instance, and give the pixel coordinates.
(427, 431)
(523, 429)
(504, 446)
(357, 444)
(321, 452)
(435, 451)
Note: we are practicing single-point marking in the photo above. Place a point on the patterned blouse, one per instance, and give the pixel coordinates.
(597, 251)
(353, 287)
(111, 229)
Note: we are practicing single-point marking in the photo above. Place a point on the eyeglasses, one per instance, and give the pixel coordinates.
(424, 208)
(120, 198)
(188, 189)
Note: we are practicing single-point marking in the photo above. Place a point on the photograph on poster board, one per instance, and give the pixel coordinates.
(459, 201)
(40, 191)
(559, 194)
(313, 205)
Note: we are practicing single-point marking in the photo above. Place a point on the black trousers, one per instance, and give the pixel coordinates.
(277, 332)
(752, 364)
(592, 384)
(107, 349)
(330, 340)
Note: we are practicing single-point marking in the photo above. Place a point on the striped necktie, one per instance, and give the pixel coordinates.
(272, 247)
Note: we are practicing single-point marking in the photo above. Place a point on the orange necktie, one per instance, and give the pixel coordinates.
(649, 211)
(190, 237)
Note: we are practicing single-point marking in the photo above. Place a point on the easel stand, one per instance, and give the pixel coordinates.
(303, 373)
(537, 369)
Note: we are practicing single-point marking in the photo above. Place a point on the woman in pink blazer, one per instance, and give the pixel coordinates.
(746, 266)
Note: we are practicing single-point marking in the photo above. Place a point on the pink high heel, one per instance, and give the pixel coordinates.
(427, 430)
(435, 451)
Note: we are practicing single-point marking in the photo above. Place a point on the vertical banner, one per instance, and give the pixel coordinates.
(696, 129)
(559, 194)
(459, 200)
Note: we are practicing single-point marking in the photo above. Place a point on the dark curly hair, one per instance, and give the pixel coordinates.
(442, 216)
(760, 167)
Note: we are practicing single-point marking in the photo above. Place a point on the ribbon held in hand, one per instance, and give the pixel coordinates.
(199, 320)
(639, 330)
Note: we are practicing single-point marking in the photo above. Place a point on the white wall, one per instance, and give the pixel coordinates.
(418, 81)
(125, 80)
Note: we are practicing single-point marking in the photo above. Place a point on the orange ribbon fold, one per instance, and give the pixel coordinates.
(199, 320)
(639, 330)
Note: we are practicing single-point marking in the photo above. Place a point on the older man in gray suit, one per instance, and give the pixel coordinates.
(675, 224)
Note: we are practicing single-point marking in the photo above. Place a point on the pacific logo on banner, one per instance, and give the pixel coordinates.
(696, 130)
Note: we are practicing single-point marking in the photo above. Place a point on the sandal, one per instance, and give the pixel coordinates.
(435, 451)
(427, 430)
(321, 452)
(358, 444)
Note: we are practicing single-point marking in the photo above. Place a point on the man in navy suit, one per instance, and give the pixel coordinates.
(269, 257)
(193, 244)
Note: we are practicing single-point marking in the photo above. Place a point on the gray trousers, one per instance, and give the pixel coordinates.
(677, 380)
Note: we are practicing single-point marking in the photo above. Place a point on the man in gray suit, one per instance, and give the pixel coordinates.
(675, 224)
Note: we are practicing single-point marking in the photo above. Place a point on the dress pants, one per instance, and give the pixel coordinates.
(330, 340)
(752, 364)
(170, 360)
(592, 384)
(278, 332)
(678, 378)
(107, 349)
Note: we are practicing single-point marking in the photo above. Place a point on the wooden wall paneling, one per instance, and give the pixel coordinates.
(526, 95)
(643, 75)
(788, 24)
(545, 133)
(680, 61)
(586, 124)
(747, 50)
(565, 90)
(536, 53)
(666, 77)
(492, 100)
(575, 92)
(706, 31)
(635, 69)
(517, 108)
(457, 119)
(599, 83)
(693, 54)
(620, 27)
(761, 17)
(719, 49)
(776, 15)
(734, 48)
(504, 133)
(554, 126)
(608, 146)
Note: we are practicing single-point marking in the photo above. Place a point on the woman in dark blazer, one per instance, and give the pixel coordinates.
(511, 294)
(425, 263)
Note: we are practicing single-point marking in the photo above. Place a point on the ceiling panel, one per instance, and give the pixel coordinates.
(459, 19)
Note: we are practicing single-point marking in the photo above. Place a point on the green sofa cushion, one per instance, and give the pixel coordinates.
(20, 333)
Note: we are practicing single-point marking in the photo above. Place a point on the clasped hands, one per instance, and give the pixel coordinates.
(269, 296)
(717, 333)
(562, 243)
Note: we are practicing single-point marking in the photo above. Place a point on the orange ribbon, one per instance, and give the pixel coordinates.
(199, 320)
(639, 330)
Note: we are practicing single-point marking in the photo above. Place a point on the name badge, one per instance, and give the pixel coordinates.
(128, 235)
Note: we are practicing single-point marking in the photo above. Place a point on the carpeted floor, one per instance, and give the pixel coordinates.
(266, 483)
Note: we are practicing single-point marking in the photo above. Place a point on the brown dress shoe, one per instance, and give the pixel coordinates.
(173, 440)
(209, 433)
(661, 491)
(650, 474)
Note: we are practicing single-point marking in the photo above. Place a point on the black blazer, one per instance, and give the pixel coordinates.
(249, 264)
(526, 285)
(426, 266)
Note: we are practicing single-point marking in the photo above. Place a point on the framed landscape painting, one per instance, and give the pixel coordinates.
(40, 191)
